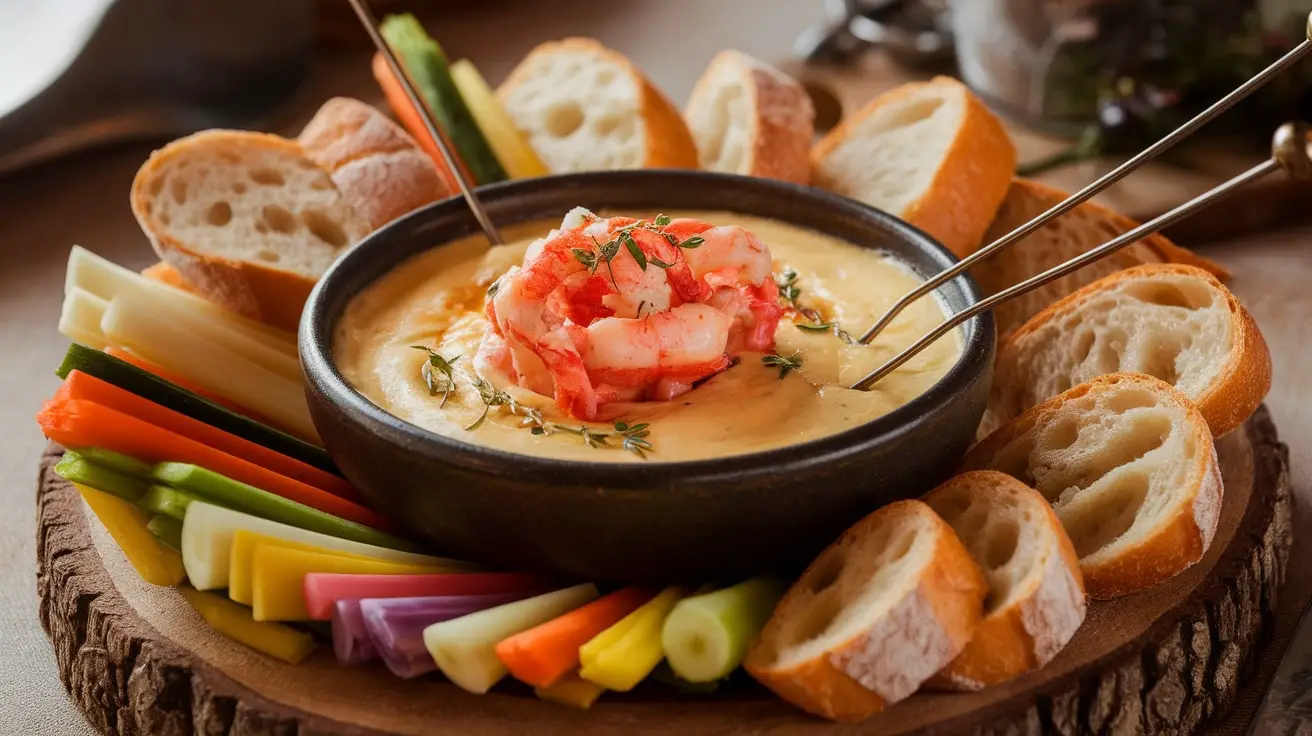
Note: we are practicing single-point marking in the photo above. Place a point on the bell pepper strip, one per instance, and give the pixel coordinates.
(235, 622)
(127, 525)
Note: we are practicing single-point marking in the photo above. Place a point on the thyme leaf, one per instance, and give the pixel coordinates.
(446, 383)
(785, 365)
(632, 246)
(493, 396)
(692, 242)
(661, 220)
(658, 263)
(790, 292)
(586, 257)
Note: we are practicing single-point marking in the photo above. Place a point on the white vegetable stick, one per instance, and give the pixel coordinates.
(207, 544)
(79, 320)
(106, 279)
(465, 648)
(157, 339)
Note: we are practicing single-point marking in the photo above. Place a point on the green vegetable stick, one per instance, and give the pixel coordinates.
(115, 461)
(427, 67)
(167, 501)
(167, 530)
(223, 491)
(77, 469)
(706, 636)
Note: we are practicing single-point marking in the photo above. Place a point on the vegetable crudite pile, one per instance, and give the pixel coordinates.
(1107, 558)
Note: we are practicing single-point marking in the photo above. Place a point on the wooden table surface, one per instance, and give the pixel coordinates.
(84, 201)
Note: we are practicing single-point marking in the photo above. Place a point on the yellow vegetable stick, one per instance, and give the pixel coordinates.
(244, 544)
(235, 622)
(278, 578)
(571, 690)
(619, 657)
(154, 561)
(514, 153)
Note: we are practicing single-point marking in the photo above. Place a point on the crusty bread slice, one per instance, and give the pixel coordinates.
(928, 152)
(1076, 232)
(874, 616)
(247, 218)
(1178, 323)
(749, 118)
(585, 107)
(1036, 593)
(375, 164)
(1129, 465)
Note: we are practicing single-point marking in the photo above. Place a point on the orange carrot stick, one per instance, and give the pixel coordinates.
(80, 423)
(414, 122)
(545, 653)
(149, 367)
(81, 386)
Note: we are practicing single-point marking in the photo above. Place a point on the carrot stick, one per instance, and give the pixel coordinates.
(545, 653)
(149, 367)
(81, 386)
(81, 423)
(414, 122)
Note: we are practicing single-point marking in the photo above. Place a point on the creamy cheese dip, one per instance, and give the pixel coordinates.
(436, 299)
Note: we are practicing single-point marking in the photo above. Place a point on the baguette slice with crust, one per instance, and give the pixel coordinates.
(1129, 465)
(1175, 322)
(1076, 232)
(928, 152)
(247, 218)
(749, 118)
(874, 616)
(1036, 593)
(585, 107)
(375, 164)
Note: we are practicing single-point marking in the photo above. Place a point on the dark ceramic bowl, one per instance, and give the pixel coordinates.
(657, 521)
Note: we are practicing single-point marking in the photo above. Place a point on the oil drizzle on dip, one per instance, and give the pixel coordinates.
(436, 299)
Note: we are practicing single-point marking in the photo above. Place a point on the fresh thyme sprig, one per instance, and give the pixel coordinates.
(790, 292)
(445, 367)
(632, 438)
(635, 438)
(493, 396)
(604, 253)
(785, 365)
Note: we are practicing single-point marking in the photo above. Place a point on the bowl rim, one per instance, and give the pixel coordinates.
(315, 335)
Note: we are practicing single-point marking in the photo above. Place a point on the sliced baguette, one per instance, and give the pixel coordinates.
(1175, 322)
(585, 107)
(927, 152)
(749, 118)
(1076, 232)
(1036, 593)
(247, 218)
(882, 609)
(375, 164)
(1129, 465)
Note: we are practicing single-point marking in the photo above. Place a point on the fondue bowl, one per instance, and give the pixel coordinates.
(653, 521)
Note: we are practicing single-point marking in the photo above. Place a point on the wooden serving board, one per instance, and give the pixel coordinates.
(137, 659)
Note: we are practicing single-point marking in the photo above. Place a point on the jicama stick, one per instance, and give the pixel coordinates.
(208, 530)
(235, 622)
(75, 423)
(153, 561)
(351, 642)
(571, 690)
(619, 657)
(322, 590)
(157, 339)
(79, 318)
(396, 625)
(465, 648)
(706, 636)
(545, 653)
(76, 469)
(278, 577)
(127, 356)
(82, 386)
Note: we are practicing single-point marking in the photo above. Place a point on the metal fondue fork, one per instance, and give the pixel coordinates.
(370, 24)
(1289, 152)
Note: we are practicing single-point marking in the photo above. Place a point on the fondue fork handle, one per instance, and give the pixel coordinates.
(1289, 151)
(370, 24)
(1088, 192)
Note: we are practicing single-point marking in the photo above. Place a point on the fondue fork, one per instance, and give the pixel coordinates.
(1289, 151)
(370, 24)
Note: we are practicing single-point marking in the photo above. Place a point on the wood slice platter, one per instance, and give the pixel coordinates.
(137, 659)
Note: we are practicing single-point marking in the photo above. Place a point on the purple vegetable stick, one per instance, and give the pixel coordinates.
(396, 625)
(351, 641)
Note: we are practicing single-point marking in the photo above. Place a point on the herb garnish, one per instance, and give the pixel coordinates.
(493, 396)
(446, 384)
(633, 438)
(785, 365)
(606, 252)
(789, 291)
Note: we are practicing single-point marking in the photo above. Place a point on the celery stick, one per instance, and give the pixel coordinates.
(115, 461)
(167, 501)
(167, 530)
(706, 636)
(619, 657)
(76, 468)
(465, 648)
(223, 491)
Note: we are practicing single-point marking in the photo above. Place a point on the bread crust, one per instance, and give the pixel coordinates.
(375, 164)
(972, 181)
(887, 661)
(1238, 389)
(1039, 621)
(1180, 540)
